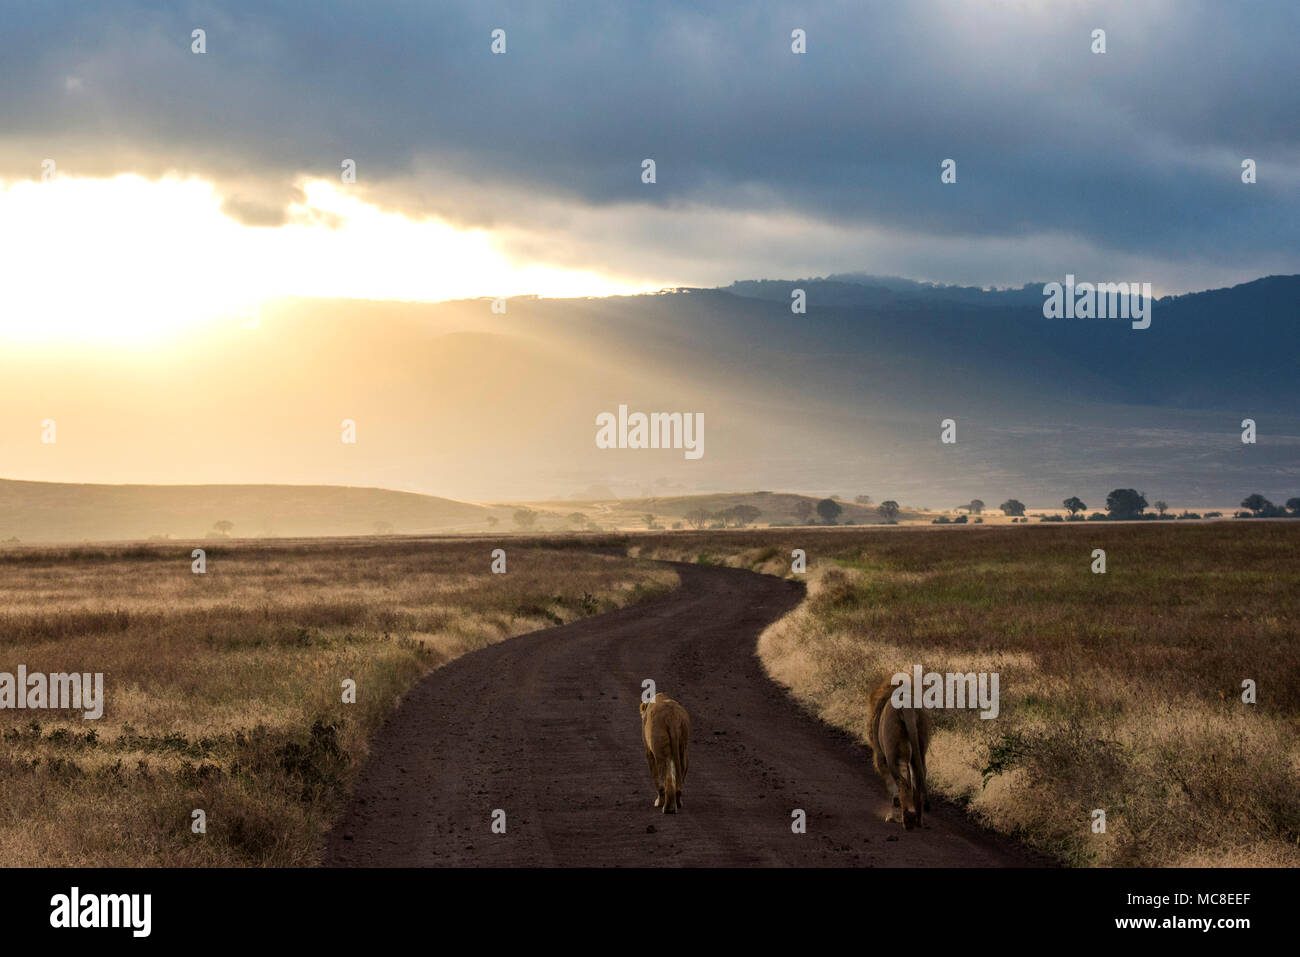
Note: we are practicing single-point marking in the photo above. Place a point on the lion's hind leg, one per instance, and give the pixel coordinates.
(900, 785)
(921, 801)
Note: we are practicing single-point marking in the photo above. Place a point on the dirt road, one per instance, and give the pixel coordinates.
(546, 728)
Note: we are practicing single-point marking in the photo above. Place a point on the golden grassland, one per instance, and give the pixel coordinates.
(224, 690)
(1119, 691)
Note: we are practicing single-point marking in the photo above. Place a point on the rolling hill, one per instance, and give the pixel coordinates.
(56, 512)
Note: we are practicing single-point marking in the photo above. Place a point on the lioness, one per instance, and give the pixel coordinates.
(899, 739)
(666, 732)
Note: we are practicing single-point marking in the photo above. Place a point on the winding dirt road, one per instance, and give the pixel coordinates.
(546, 727)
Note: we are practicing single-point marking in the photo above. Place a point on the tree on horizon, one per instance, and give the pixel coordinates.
(1126, 503)
(829, 510)
(698, 517)
(1257, 503)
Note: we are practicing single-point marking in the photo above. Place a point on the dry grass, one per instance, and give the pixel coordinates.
(223, 691)
(1119, 691)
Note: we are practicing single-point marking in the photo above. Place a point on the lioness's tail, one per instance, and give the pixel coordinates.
(679, 759)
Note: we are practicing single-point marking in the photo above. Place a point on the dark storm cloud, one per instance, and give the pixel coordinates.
(1136, 152)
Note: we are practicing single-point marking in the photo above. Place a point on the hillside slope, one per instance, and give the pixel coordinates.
(59, 512)
(457, 401)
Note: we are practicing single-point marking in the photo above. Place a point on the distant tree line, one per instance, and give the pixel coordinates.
(1258, 506)
(737, 516)
(1127, 504)
(829, 510)
(1122, 504)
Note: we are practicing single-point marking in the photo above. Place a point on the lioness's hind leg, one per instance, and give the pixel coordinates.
(654, 775)
(922, 792)
(671, 785)
(682, 764)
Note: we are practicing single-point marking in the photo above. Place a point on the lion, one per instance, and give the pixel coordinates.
(666, 733)
(899, 739)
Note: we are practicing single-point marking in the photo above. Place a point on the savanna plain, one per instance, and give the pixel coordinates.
(224, 691)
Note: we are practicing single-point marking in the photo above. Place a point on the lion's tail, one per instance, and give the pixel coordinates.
(877, 750)
(909, 724)
(917, 760)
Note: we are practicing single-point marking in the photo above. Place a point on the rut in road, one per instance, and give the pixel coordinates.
(546, 727)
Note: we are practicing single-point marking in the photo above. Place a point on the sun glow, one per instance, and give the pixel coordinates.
(129, 261)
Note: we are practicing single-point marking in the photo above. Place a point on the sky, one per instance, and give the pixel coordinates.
(185, 185)
(174, 173)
